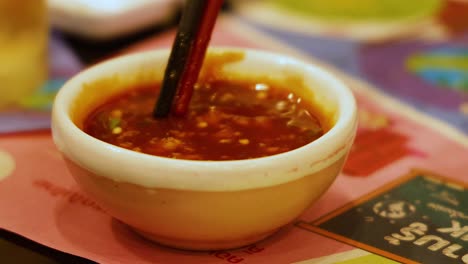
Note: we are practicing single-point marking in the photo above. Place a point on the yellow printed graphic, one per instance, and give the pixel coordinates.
(7, 164)
(361, 9)
(369, 259)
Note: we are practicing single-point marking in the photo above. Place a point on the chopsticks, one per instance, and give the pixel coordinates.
(186, 58)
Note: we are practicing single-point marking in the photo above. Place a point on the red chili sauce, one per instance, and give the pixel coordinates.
(226, 121)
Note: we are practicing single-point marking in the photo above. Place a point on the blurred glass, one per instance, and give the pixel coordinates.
(23, 49)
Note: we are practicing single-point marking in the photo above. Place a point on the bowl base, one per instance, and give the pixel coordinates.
(203, 245)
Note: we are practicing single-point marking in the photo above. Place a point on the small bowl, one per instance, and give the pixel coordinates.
(203, 205)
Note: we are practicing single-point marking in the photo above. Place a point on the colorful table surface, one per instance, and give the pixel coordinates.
(407, 167)
(422, 62)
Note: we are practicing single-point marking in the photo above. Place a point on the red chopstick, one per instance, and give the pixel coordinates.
(187, 55)
(195, 58)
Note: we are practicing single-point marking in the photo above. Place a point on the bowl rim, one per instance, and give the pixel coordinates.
(203, 174)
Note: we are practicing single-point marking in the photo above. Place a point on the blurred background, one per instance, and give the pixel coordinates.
(415, 51)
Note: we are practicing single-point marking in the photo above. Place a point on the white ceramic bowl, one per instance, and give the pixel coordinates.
(203, 204)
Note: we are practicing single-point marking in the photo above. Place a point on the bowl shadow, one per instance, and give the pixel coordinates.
(93, 234)
(88, 229)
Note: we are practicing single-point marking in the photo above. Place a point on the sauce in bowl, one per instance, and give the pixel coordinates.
(227, 120)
